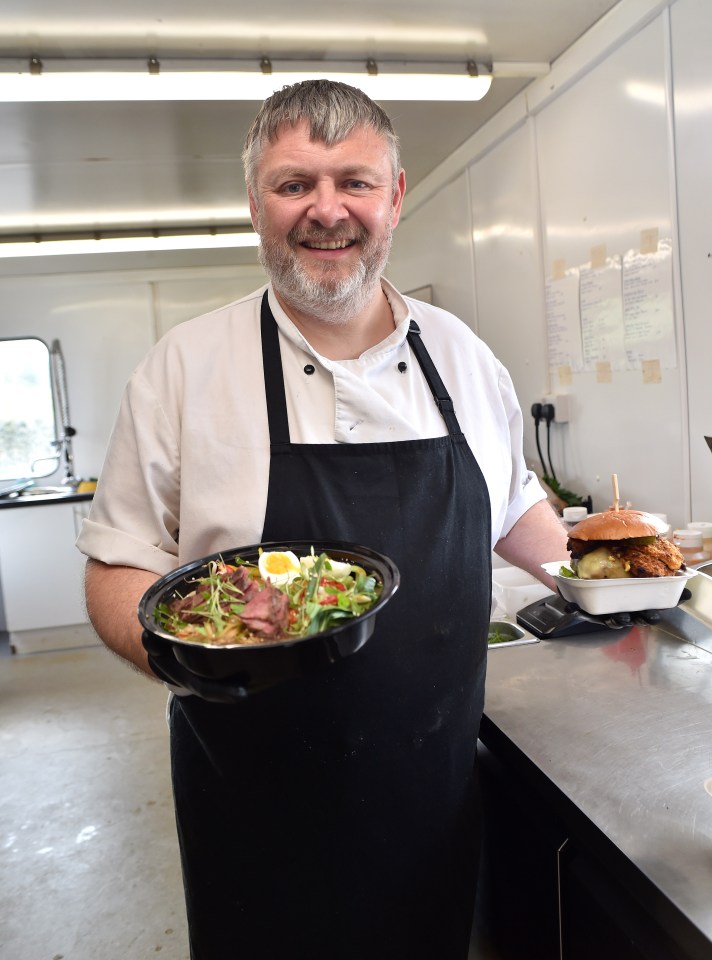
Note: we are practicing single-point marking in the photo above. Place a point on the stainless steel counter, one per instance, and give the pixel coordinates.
(621, 725)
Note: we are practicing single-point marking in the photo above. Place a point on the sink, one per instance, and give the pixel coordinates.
(42, 492)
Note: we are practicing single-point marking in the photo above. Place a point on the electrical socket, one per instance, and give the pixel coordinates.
(560, 403)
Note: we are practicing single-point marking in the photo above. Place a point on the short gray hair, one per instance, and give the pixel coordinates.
(332, 110)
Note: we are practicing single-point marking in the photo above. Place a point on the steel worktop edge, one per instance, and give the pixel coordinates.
(613, 731)
(8, 503)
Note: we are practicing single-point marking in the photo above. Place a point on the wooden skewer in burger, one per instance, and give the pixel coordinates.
(621, 543)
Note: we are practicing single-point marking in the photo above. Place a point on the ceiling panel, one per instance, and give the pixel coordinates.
(123, 164)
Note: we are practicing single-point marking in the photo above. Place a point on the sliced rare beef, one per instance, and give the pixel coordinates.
(241, 578)
(185, 605)
(266, 613)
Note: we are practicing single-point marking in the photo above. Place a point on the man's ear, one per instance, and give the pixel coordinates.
(398, 195)
(254, 215)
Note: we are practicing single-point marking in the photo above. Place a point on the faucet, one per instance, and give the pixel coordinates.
(43, 460)
(63, 445)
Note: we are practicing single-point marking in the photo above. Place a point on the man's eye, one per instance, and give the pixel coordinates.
(357, 184)
(293, 188)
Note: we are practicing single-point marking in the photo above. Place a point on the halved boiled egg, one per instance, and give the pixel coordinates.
(279, 566)
(335, 569)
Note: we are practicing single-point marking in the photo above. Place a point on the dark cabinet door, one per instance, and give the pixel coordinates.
(599, 918)
(549, 888)
(517, 912)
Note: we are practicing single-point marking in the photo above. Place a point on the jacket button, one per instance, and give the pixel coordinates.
(309, 369)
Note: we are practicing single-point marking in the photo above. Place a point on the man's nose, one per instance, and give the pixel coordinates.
(327, 205)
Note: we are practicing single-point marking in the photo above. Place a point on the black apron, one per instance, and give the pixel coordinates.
(334, 817)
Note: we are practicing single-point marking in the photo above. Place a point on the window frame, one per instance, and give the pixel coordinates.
(44, 448)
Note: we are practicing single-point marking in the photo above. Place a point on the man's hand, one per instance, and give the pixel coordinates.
(615, 621)
(619, 621)
(162, 661)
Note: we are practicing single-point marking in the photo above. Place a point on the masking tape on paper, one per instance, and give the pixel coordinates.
(564, 373)
(649, 240)
(598, 256)
(652, 372)
(603, 372)
(558, 269)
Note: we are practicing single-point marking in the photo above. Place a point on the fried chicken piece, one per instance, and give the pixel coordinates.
(660, 559)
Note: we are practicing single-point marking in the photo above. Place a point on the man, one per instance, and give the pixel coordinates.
(332, 817)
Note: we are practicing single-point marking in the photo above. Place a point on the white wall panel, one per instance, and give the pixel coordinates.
(106, 322)
(691, 33)
(182, 297)
(433, 247)
(104, 326)
(605, 175)
(610, 164)
(508, 281)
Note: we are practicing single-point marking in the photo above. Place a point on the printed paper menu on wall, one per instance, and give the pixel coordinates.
(614, 313)
(563, 323)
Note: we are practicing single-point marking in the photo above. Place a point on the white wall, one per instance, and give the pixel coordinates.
(573, 161)
(588, 156)
(436, 250)
(476, 242)
(605, 173)
(106, 322)
(691, 24)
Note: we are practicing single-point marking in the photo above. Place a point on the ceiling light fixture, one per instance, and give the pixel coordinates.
(129, 243)
(97, 80)
(89, 222)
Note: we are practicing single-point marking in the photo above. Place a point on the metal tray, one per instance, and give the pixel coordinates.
(516, 637)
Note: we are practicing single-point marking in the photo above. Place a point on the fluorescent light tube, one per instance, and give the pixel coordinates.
(49, 248)
(93, 85)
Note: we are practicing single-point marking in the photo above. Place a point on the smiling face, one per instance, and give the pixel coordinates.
(325, 215)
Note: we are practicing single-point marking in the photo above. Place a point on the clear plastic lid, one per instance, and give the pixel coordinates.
(690, 538)
(574, 514)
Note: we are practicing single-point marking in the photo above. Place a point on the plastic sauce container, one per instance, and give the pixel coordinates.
(573, 515)
(705, 528)
(665, 528)
(690, 544)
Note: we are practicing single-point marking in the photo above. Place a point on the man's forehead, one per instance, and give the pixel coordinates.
(295, 149)
(304, 129)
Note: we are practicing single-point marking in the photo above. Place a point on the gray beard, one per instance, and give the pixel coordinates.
(331, 300)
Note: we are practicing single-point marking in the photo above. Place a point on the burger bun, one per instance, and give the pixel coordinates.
(617, 525)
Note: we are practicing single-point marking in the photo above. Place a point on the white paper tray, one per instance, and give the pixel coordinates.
(623, 595)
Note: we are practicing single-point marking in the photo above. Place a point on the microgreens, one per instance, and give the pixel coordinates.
(316, 602)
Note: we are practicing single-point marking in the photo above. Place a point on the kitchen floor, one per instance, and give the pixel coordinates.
(90, 867)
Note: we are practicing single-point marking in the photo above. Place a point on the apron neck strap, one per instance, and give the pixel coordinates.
(437, 387)
(274, 378)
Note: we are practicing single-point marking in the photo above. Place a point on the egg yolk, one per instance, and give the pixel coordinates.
(278, 563)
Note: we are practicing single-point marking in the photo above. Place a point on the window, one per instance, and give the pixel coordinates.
(27, 420)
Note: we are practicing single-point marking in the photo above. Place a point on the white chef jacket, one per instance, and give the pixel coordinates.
(187, 468)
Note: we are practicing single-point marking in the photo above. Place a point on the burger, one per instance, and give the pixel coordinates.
(621, 543)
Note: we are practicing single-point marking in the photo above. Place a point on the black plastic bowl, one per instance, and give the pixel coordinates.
(260, 666)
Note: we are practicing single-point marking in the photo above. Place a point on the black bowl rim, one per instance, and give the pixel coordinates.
(170, 581)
